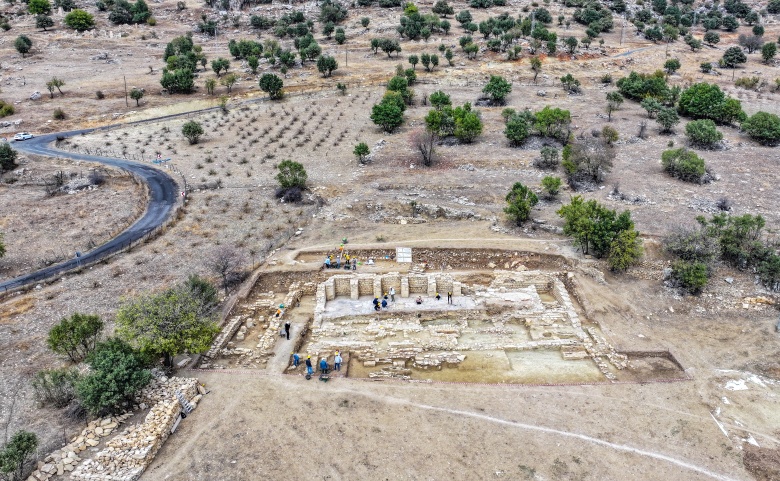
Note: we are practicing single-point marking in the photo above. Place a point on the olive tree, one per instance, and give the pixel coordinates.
(192, 131)
(75, 336)
(521, 200)
(497, 89)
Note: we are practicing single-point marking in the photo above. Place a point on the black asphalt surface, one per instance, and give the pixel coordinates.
(163, 195)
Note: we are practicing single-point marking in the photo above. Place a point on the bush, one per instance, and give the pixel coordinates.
(640, 86)
(667, 118)
(389, 113)
(587, 161)
(56, 387)
(497, 89)
(763, 127)
(595, 227)
(7, 157)
(79, 20)
(625, 250)
(6, 109)
(16, 453)
(100, 95)
(75, 336)
(192, 131)
(118, 372)
(703, 133)
(553, 122)
(551, 186)
(23, 44)
(59, 114)
(548, 159)
(691, 245)
(521, 200)
(272, 85)
(291, 174)
(691, 276)
(684, 164)
(179, 81)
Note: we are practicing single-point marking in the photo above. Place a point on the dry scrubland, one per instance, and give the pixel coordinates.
(284, 428)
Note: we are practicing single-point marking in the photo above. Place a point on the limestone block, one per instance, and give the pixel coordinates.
(404, 287)
(330, 289)
(432, 287)
(378, 287)
(354, 289)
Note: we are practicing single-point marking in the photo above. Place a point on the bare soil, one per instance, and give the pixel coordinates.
(283, 427)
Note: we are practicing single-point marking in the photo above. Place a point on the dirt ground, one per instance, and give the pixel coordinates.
(263, 424)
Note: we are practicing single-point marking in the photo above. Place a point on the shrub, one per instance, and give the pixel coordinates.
(16, 453)
(497, 89)
(517, 129)
(180, 81)
(640, 86)
(548, 159)
(703, 133)
(763, 127)
(23, 44)
(55, 387)
(389, 113)
(6, 109)
(272, 85)
(733, 57)
(553, 122)
(521, 200)
(551, 186)
(291, 174)
(570, 84)
(361, 152)
(79, 20)
(609, 135)
(684, 164)
(59, 114)
(625, 250)
(691, 276)
(75, 336)
(100, 95)
(7, 157)
(691, 245)
(594, 226)
(192, 131)
(587, 161)
(118, 372)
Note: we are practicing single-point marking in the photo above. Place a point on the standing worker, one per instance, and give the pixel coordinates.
(309, 369)
(287, 329)
(324, 366)
(449, 297)
(392, 294)
(337, 361)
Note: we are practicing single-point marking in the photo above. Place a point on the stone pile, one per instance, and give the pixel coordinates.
(126, 456)
(66, 459)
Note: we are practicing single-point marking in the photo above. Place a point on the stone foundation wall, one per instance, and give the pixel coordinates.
(341, 285)
(366, 286)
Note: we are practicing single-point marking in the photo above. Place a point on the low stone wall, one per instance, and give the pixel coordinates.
(126, 456)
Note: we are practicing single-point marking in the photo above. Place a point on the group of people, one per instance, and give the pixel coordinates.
(349, 262)
(324, 367)
(379, 305)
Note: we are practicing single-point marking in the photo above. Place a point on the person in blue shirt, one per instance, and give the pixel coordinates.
(384, 303)
(324, 365)
(296, 359)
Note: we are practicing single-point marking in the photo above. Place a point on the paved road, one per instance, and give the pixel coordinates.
(163, 195)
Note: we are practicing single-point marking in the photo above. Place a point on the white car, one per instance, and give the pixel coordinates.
(23, 136)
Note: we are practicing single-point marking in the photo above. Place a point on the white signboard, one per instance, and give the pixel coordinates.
(403, 254)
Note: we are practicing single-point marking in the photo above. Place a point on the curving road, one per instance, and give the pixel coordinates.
(163, 194)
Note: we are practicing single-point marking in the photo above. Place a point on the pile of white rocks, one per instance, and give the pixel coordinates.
(66, 459)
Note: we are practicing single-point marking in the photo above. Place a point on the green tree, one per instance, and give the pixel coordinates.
(594, 226)
(672, 65)
(763, 127)
(361, 152)
(79, 20)
(703, 133)
(536, 66)
(117, 373)
(192, 130)
(16, 453)
(571, 44)
(551, 186)
(517, 130)
(291, 174)
(388, 115)
(7, 157)
(169, 323)
(570, 84)
(56, 387)
(683, 164)
(326, 65)
(220, 65)
(210, 85)
(39, 7)
(75, 336)
(439, 100)
(521, 200)
(625, 250)
(652, 106)
(365, 21)
(2, 246)
(711, 38)
(730, 23)
(614, 100)
(44, 22)
(137, 94)
(707, 101)
(553, 122)
(340, 36)
(253, 63)
(229, 80)
(667, 118)
(468, 125)
(272, 85)
(497, 89)
(768, 51)
(413, 59)
(23, 44)
(734, 57)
